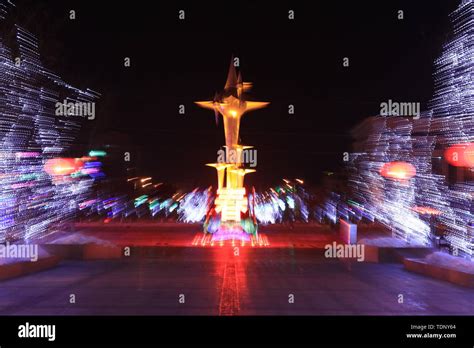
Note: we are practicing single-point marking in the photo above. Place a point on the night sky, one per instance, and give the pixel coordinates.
(295, 62)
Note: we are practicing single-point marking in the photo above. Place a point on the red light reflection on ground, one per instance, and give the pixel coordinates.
(205, 240)
(230, 264)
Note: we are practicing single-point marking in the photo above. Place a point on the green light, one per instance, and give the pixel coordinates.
(26, 177)
(154, 203)
(77, 174)
(353, 203)
(97, 153)
(140, 200)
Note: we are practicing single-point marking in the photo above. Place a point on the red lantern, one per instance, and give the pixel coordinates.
(469, 155)
(460, 155)
(62, 166)
(399, 171)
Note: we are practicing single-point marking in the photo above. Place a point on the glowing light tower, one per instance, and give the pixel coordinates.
(224, 220)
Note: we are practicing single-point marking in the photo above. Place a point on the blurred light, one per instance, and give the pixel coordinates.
(460, 155)
(398, 171)
(62, 166)
(97, 153)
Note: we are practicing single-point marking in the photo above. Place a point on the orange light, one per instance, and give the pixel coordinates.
(426, 210)
(399, 171)
(62, 166)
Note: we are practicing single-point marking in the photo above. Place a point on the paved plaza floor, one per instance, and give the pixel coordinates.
(276, 280)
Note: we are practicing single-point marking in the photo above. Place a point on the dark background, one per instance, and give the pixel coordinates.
(295, 62)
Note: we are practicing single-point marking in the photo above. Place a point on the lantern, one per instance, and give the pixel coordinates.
(460, 155)
(399, 171)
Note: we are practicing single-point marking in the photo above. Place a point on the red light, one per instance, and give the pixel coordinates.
(460, 155)
(399, 171)
(205, 240)
(62, 166)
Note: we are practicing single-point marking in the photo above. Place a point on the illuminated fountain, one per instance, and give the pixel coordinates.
(232, 217)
